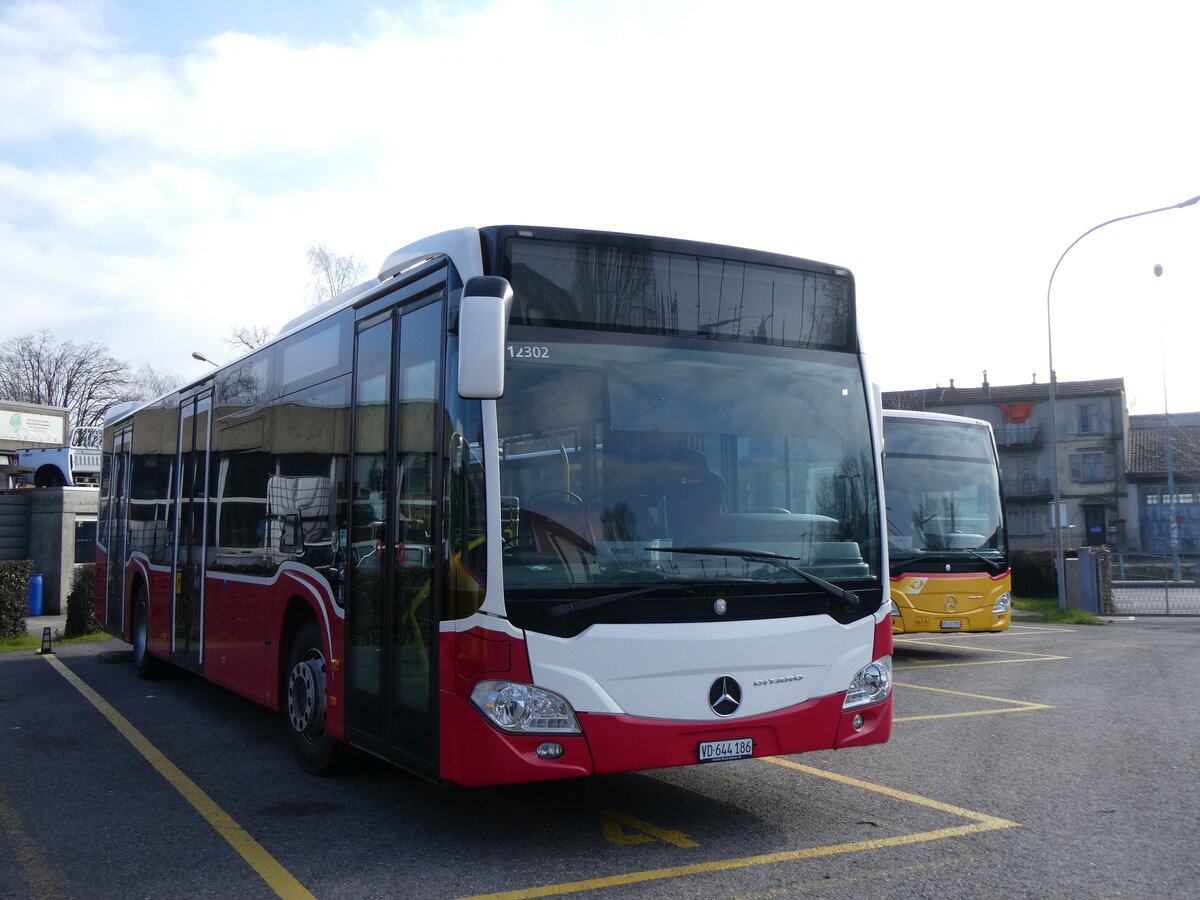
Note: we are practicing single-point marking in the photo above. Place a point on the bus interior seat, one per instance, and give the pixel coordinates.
(691, 489)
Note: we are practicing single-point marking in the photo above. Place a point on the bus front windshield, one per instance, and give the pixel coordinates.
(943, 492)
(623, 455)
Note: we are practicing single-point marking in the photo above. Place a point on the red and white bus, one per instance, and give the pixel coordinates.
(533, 503)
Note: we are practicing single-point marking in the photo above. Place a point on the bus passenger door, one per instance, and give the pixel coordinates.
(191, 512)
(117, 528)
(391, 613)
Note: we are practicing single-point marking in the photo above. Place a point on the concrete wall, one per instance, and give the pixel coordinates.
(52, 518)
(14, 524)
(39, 524)
(1071, 582)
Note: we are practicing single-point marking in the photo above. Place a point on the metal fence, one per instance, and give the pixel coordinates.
(1145, 585)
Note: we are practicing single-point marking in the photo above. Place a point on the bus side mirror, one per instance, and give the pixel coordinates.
(482, 332)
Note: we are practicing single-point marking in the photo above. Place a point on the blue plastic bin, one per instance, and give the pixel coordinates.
(34, 595)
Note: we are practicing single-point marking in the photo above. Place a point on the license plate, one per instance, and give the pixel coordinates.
(952, 623)
(736, 748)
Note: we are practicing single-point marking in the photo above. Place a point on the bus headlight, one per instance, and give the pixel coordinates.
(872, 684)
(895, 610)
(1003, 603)
(523, 708)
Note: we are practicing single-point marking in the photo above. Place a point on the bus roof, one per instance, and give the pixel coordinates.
(933, 417)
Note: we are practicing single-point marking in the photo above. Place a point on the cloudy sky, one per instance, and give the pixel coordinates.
(165, 165)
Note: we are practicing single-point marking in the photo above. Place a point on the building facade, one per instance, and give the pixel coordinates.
(1165, 492)
(1091, 425)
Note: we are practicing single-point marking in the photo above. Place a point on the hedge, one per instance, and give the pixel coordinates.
(14, 590)
(1033, 573)
(81, 617)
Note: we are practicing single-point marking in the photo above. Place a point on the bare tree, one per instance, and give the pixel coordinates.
(148, 383)
(247, 337)
(84, 378)
(331, 273)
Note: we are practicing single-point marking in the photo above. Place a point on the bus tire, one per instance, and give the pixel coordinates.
(304, 703)
(145, 664)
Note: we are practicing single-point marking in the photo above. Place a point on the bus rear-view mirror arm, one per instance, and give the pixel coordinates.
(482, 329)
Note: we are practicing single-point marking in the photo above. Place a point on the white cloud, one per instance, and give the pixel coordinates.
(64, 78)
(43, 27)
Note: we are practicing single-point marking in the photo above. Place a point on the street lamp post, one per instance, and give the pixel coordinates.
(196, 354)
(1173, 522)
(1056, 517)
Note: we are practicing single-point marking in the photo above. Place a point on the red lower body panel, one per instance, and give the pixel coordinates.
(474, 753)
(624, 743)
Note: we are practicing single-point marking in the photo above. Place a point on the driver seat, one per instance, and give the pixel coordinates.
(692, 490)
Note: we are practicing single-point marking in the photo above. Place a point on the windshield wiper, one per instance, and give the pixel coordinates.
(574, 606)
(849, 599)
(994, 565)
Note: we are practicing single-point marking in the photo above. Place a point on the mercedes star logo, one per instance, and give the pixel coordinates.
(725, 696)
(951, 603)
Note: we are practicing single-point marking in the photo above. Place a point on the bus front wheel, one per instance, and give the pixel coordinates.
(305, 703)
(144, 664)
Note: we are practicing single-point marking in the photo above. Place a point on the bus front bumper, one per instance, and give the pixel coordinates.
(474, 753)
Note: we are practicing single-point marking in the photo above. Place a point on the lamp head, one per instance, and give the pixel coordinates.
(1157, 269)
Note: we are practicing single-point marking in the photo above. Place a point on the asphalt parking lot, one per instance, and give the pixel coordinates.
(1046, 761)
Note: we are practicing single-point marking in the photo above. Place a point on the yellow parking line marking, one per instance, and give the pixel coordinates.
(990, 662)
(1025, 653)
(939, 637)
(981, 823)
(277, 878)
(614, 834)
(982, 818)
(826, 884)
(921, 687)
(1020, 705)
(677, 838)
(39, 877)
(1023, 656)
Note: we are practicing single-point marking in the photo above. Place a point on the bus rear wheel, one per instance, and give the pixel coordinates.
(305, 703)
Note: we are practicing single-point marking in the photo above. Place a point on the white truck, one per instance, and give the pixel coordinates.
(73, 465)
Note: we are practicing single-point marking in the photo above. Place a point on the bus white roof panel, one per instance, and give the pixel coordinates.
(461, 245)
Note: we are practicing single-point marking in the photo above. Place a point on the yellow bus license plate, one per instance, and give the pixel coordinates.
(952, 623)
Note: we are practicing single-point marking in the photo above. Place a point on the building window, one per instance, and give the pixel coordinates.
(1089, 418)
(1091, 467)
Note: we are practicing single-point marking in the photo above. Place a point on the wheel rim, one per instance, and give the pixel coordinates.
(139, 633)
(306, 696)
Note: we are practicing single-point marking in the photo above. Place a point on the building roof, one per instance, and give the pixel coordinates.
(1145, 447)
(929, 398)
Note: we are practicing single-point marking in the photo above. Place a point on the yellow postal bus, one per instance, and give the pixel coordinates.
(947, 543)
